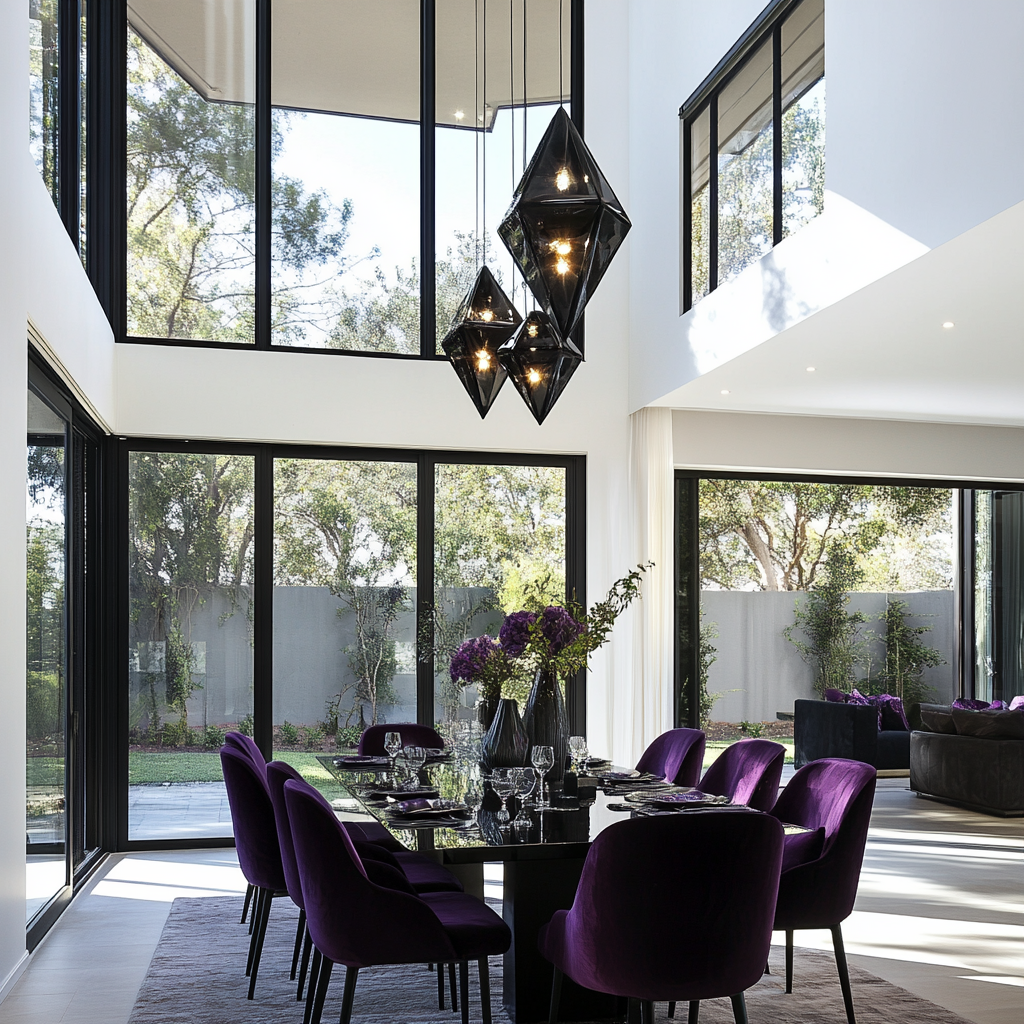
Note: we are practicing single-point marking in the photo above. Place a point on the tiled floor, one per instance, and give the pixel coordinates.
(940, 912)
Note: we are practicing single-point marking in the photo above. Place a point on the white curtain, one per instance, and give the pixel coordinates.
(651, 480)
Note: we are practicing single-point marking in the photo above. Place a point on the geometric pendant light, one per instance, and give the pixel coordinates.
(540, 362)
(564, 225)
(485, 320)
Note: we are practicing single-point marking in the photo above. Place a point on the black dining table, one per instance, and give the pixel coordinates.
(542, 861)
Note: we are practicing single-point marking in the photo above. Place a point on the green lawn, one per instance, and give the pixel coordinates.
(44, 771)
(715, 747)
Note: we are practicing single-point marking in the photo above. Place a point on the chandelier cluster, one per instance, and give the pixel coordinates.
(563, 228)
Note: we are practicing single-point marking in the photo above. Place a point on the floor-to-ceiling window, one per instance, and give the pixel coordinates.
(806, 585)
(339, 539)
(61, 827)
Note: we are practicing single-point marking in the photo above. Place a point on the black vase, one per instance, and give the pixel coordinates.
(485, 709)
(546, 721)
(505, 744)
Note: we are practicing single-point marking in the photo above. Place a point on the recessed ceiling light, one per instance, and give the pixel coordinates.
(459, 115)
(810, 369)
(948, 324)
(725, 391)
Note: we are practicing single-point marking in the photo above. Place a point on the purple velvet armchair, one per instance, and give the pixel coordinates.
(259, 854)
(821, 868)
(351, 918)
(676, 756)
(748, 773)
(671, 908)
(371, 742)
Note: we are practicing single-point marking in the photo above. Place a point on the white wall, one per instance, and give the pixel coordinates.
(913, 88)
(743, 443)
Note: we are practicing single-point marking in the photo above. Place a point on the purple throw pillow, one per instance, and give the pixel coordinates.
(969, 704)
(1017, 704)
(835, 696)
(891, 714)
(856, 697)
(802, 848)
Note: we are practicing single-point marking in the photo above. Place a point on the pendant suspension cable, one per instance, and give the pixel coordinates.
(476, 136)
(484, 129)
(526, 97)
(561, 98)
(512, 113)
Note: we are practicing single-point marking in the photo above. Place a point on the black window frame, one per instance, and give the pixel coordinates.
(107, 137)
(425, 460)
(767, 27)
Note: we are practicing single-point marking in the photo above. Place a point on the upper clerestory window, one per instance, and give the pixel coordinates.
(753, 141)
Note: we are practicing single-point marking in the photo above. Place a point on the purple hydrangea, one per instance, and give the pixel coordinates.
(469, 660)
(515, 632)
(559, 628)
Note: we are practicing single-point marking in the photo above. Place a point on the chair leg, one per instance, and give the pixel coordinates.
(789, 960)
(351, 973)
(556, 996)
(260, 934)
(485, 990)
(323, 979)
(464, 989)
(646, 1011)
(671, 1009)
(257, 909)
(248, 900)
(739, 1008)
(693, 1012)
(299, 932)
(440, 986)
(451, 986)
(307, 942)
(314, 977)
(844, 972)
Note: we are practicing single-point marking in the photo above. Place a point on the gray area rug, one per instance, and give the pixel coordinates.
(196, 977)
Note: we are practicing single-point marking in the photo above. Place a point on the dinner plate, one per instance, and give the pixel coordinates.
(449, 809)
(404, 794)
(685, 798)
(360, 761)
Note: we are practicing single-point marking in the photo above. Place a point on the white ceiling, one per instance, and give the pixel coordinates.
(883, 353)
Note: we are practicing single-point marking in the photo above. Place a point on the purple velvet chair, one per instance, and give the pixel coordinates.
(359, 923)
(259, 853)
(371, 742)
(821, 869)
(672, 907)
(247, 745)
(676, 756)
(748, 773)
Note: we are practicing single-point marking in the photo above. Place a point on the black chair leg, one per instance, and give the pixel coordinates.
(844, 972)
(739, 1008)
(789, 960)
(259, 935)
(440, 986)
(693, 1012)
(351, 973)
(646, 1011)
(248, 900)
(299, 932)
(323, 979)
(556, 996)
(307, 942)
(464, 989)
(314, 978)
(485, 990)
(451, 986)
(257, 909)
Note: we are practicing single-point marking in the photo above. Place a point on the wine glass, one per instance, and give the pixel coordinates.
(525, 780)
(502, 784)
(393, 746)
(414, 760)
(580, 754)
(473, 799)
(543, 757)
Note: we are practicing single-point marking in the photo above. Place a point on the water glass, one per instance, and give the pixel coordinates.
(579, 752)
(393, 746)
(502, 783)
(524, 783)
(414, 760)
(543, 757)
(473, 799)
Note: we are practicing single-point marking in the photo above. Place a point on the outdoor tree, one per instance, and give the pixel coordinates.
(906, 656)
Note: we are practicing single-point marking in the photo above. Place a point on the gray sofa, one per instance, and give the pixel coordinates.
(824, 728)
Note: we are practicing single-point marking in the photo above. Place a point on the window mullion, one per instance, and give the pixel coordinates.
(425, 476)
(777, 134)
(428, 297)
(264, 213)
(713, 194)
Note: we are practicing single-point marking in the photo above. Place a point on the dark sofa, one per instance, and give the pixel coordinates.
(830, 729)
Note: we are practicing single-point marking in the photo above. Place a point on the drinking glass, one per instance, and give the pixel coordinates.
(414, 760)
(580, 754)
(543, 757)
(473, 799)
(525, 780)
(502, 784)
(393, 746)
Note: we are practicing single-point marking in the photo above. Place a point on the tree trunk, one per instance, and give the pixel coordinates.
(759, 549)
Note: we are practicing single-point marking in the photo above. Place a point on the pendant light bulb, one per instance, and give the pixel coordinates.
(562, 180)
